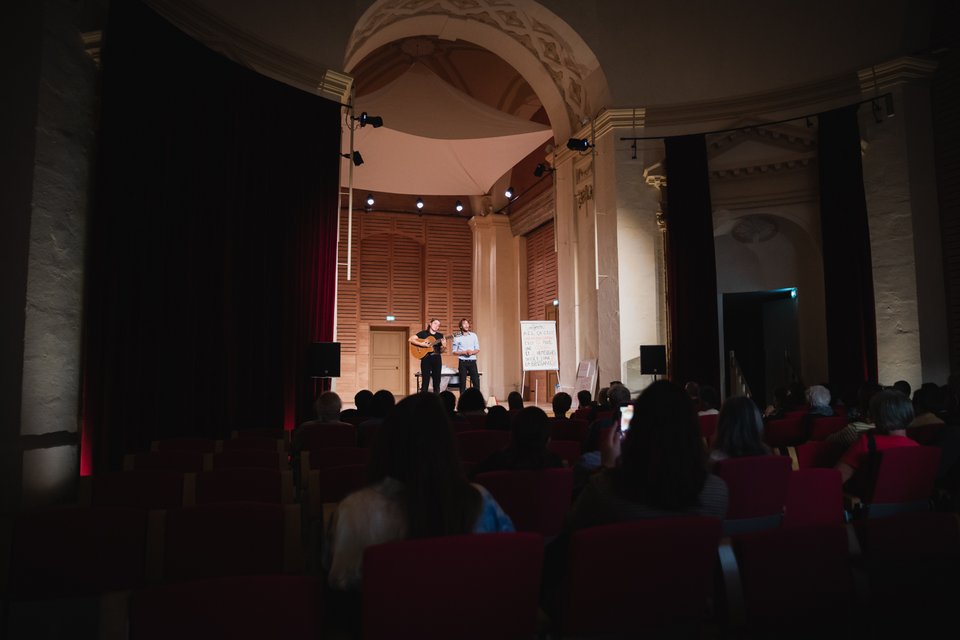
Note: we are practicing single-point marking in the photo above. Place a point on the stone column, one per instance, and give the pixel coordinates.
(497, 291)
(899, 181)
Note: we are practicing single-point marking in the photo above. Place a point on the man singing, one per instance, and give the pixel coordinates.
(466, 346)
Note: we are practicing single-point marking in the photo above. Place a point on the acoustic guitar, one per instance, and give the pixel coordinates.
(420, 353)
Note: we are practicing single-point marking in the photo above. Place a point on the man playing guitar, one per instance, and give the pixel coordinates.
(430, 365)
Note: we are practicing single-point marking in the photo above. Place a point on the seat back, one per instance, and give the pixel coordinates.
(784, 432)
(476, 446)
(568, 450)
(146, 489)
(70, 551)
(328, 435)
(276, 445)
(824, 426)
(569, 429)
(172, 460)
(243, 484)
(815, 453)
(254, 607)
(466, 587)
(536, 501)
(757, 487)
(633, 577)
(708, 425)
(814, 497)
(326, 457)
(927, 434)
(230, 539)
(250, 458)
(186, 443)
(904, 476)
(793, 579)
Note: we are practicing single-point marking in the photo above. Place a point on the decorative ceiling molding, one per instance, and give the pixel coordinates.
(887, 75)
(562, 60)
(241, 47)
(765, 167)
(92, 41)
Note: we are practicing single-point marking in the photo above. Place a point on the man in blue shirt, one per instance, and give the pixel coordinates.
(466, 346)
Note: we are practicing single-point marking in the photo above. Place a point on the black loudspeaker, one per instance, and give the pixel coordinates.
(653, 359)
(323, 360)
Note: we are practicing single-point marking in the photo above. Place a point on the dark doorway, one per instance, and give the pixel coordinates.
(760, 328)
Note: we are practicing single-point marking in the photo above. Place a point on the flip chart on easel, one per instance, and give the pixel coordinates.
(538, 345)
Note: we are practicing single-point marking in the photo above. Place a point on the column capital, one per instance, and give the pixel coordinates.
(895, 73)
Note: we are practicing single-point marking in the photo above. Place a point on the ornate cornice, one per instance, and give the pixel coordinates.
(887, 75)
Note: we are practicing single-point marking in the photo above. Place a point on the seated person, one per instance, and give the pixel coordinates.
(818, 397)
(561, 405)
(739, 431)
(498, 418)
(327, 409)
(529, 435)
(418, 490)
(362, 399)
(471, 403)
(514, 402)
(382, 403)
(661, 471)
(709, 401)
(891, 412)
(928, 405)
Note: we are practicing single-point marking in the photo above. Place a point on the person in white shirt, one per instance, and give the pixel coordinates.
(466, 346)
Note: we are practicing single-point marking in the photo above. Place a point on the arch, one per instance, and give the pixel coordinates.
(562, 70)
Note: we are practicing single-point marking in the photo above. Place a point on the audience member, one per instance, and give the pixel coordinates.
(692, 389)
(818, 399)
(927, 405)
(529, 435)
(739, 431)
(561, 404)
(709, 401)
(891, 412)
(777, 408)
(363, 400)
(327, 410)
(661, 471)
(903, 387)
(472, 403)
(498, 418)
(449, 400)
(383, 402)
(418, 490)
(514, 401)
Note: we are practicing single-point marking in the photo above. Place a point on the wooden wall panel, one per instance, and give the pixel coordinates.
(541, 291)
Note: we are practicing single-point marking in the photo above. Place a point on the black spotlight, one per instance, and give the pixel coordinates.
(509, 192)
(578, 144)
(373, 121)
(419, 203)
(458, 206)
(539, 170)
(370, 200)
(357, 158)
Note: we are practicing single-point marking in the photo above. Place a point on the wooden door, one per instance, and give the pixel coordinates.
(388, 361)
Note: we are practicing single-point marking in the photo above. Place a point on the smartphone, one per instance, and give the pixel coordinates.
(626, 415)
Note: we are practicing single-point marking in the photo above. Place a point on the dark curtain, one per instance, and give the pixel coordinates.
(691, 265)
(212, 242)
(847, 267)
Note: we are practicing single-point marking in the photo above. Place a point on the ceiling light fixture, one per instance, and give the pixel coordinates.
(458, 206)
(509, 192)
(419, 203)
(579, 144)
(370, 200)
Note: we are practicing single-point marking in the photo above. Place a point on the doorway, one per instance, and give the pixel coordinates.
(761, 329)
(388, 360)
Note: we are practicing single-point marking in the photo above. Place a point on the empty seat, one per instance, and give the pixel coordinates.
(474, 586)
(536, 501)
(636, 577)
(255, 607)
(251, 458)
(326, 457)
(338, 434)
(242, 484)
(229, 539)
(758, 489)
(476, 446)
(145, 489)
(569, 429)
(172, 460)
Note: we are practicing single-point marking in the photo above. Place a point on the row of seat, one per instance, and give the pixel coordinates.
(626, 579)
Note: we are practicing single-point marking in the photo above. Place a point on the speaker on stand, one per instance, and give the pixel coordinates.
(653, 360)
(322, 364)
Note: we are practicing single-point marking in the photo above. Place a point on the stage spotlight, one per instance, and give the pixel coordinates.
(888, 102)
(370, 200)
(508, 192)
(458, 206)
(419, 203)
(357, 158)
(578, 144)
(373, 121)
(539, 170)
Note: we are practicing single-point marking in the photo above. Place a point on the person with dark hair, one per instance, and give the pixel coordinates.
(903, 387)
(709, 401)
(466, 346)
(471, 402)
(529, 435)
(498, 418)
(859, 417)
(362, 400)
(692, 389)
(891, 413)
(561, 404)
(417, 490)
(383, 402)
(327, 410)
(449, 402)
(739, 431)
(514, 401)
(777, 408)
(433, 342)
(584, 398)
(928, 405)
(661, 471)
